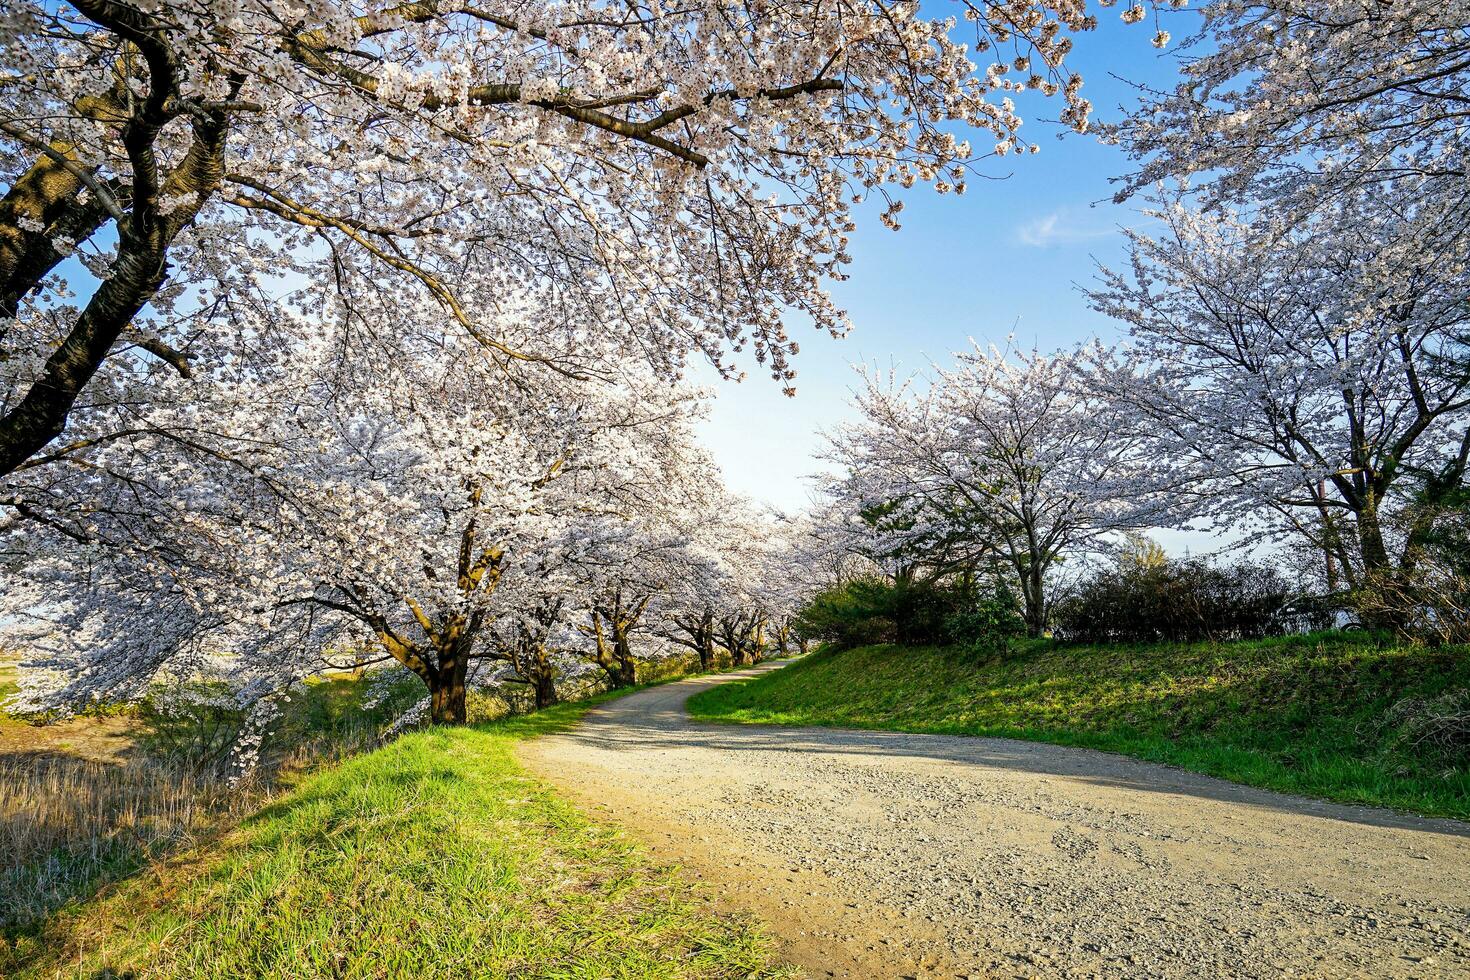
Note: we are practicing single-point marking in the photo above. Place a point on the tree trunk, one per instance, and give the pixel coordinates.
(1381, 582)
(544, 685)
(735, 645)
(626, 666)
(447, 694)
(1370, 540)
(706, 638)
(1331, 542)
(617, 661)
(1033, 592)
(141, 265)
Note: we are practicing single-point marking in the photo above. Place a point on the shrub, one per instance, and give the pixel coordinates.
(912, 612)
(868, 611)
(1428, 599)
(1178, 601)
(192, 723)
(848, 615)
(988, 623)
(919, 610)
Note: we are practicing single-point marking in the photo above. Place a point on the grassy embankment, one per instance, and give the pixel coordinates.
(433, 856)
(1310, 714)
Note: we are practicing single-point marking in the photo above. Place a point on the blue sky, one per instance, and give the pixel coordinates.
(1002, 259)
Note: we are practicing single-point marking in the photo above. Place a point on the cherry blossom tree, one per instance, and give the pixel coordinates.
(1301, 347)
(1299, 100)
(1007, 458)
(634, 563)
(684, 613)
(530, 640)
(785, 584)
(1305, 373)
(681, 177)
(715, 597)
(383, 507)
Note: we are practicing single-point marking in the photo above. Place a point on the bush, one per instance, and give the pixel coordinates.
(849, 615)
(192, 723)
(1178, 601)
(1428, 599)
(919, 610)
(864, 612)
(989, 623)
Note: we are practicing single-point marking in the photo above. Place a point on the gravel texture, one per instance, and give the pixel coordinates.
(877, 855)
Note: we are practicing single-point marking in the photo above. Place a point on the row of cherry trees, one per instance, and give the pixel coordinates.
(1298, 310)
(429, 511)
(339, 327)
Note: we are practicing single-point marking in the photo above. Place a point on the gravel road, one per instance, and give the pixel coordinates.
(877, 855)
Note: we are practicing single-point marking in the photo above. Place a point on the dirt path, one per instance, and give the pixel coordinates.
(876, 855)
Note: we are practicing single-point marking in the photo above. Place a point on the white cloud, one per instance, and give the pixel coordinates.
(1061, 227)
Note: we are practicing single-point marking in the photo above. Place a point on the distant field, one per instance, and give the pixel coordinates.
(1310, 714)
(102, 739)
(8, 665)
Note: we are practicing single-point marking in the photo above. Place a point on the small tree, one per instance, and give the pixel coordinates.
(1009, 459)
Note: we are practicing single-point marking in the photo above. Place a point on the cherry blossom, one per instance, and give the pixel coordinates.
(1007, 459)
(683, 178)
(1299, 100)
(1304, 377)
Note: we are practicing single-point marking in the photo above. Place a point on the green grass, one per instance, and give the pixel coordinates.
(1299, 714)
(435, 856)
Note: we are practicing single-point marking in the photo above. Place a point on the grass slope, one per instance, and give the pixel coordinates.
(1299, 714)
(435, 856)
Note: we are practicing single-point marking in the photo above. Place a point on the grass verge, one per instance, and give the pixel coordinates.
(433, 856)
(1309, 714)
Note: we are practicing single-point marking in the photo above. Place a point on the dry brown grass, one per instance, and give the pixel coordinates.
(69, 824)
(78, 812)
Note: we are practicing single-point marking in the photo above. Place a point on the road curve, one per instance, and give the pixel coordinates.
(877, 855)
